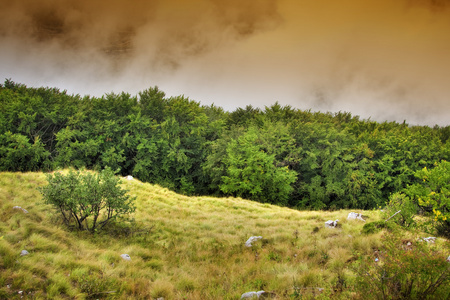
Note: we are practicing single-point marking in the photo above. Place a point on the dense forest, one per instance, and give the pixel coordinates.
(279, 154)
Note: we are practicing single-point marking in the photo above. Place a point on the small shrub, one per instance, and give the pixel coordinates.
(407, 207)
(432, 195)
(396, 272)
(376, 226)
(89, 200)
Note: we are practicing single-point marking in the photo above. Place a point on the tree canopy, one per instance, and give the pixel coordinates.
(278, 155)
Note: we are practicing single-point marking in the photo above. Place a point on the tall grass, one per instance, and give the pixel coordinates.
(180, 247)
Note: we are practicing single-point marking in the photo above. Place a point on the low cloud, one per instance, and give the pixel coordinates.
(387, 60)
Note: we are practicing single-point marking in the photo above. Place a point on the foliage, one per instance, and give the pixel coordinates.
(18, 154)
(335, 170)
(404, 208)
(254, 163)
(376, 226)
(251, 172)
(338, 160)
(91, 200)
(432, 193)
(404, 269)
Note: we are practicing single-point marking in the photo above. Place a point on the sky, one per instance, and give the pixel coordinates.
(387, 60)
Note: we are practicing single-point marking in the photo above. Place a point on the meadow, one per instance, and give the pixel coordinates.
(184, 248)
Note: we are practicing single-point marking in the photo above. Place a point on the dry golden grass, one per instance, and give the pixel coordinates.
(180, 247)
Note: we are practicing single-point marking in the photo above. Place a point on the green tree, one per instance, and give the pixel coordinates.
(400, 150)
(251, 172)
(335, 170)
(433, 193)
(18, 154)
(89, 200)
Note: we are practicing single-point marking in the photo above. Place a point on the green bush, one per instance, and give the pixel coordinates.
(408, 210)
(376, 226)
(434, 192)
(90, 200)
(431, 195)
(404, 269)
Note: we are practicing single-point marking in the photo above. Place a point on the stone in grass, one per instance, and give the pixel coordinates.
(22, 209)
(430, 239)
(331, 224)
(355, 216)
(252, 239)
(125, 256)
(250, 295)
(24, 252)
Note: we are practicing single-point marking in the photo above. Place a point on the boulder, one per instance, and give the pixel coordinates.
(24, 252)
(125, 256)
(331, 224)
(430, 239)
(249, 242)
(355, 216)
(129, 177)
(22, 209)
(250, 295)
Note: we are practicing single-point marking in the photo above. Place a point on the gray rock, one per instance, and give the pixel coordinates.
(249, 295)
(331, 224)
(430, 239)
(252, 239)
(125, 256)
(24, 252)
(355, 216)
(22, 209)
(129, 177)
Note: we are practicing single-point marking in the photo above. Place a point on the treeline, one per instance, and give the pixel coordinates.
(279, 155)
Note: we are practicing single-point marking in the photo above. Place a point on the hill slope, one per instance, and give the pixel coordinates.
(180, 248)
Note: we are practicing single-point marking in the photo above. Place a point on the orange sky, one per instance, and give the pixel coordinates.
(384, 59)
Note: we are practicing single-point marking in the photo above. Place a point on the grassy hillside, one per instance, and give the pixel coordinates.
(180, 248)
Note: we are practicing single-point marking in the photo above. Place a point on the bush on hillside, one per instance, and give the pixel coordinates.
(431, 195)
(376, 226)
(88, 200)
(402, 209)
(434, 192)
(403, 269)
